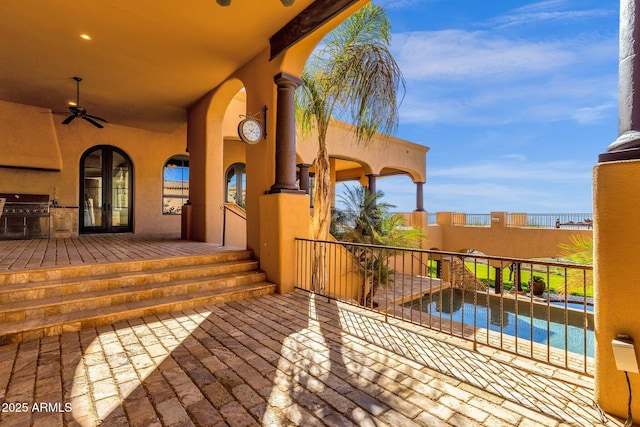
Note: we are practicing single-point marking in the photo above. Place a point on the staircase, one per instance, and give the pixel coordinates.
(45, 302)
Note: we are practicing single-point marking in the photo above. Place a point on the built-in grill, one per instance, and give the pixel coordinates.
(24, 216)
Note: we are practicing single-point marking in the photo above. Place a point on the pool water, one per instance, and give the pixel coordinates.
(573, 305)
(546, 324)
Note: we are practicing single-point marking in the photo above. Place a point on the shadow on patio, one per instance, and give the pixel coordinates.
(290, 359)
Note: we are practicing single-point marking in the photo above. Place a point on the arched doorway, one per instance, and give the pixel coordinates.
(106, 196)
(236, 184)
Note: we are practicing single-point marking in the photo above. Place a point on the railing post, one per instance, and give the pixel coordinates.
(438, 269)
(498, 282)
(517, 280)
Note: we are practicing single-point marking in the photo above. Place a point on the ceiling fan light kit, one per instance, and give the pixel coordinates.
(78, 111)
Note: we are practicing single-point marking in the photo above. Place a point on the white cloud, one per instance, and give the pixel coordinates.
(496, 186)
(398, 4)
(543, 6)
(474, 77)
(532, 18)
(594, 114)
(485, 197)
(547, 11)
(450, 55)
(457, 54)
(515, 167)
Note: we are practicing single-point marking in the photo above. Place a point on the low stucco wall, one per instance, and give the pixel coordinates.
(499, 239)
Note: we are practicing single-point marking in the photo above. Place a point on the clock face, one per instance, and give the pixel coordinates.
(250, 131)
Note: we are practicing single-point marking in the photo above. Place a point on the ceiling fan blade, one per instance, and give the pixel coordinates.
(96, 118)
(78, 111)
(69, 119)
(93, 122)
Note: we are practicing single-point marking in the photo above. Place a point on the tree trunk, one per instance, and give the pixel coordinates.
(321, 217)
(322, 196)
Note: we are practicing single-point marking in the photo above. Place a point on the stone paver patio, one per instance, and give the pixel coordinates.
(281, 360)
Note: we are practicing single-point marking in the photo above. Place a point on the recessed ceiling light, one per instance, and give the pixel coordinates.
(85, 36)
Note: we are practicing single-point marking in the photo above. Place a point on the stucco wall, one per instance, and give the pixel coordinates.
(383, 152)
(147, 150)
(499, 239)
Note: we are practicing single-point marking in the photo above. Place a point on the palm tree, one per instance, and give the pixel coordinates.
(367, 220)
(362, 216)
(579, 251)
(353, 76)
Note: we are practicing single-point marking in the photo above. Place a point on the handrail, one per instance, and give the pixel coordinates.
(226, 208)
(494, 301)
(456, 254)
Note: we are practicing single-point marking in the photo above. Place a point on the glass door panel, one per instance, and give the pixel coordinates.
(106, 192)
(119, 191)
(93, 194)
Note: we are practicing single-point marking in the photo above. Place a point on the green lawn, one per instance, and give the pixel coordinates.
(555, 279)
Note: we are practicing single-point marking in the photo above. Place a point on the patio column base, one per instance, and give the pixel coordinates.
(283, 217)
(616, 233)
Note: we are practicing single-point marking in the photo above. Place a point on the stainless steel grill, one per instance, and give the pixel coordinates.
(24, 216)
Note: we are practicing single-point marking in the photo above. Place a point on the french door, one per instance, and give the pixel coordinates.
(106, 183)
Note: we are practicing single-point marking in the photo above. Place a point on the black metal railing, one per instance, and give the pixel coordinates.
(471, 220)
(575, 221)
(538, 309)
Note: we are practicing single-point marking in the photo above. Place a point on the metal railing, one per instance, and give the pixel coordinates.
(575, 221)
(491, 301)
(242, 215)
(471, 220)
(431, 218)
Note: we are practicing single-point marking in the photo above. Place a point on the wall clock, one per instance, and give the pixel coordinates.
(250, 130)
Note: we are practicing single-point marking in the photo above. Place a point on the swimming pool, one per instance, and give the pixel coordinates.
(546, 326)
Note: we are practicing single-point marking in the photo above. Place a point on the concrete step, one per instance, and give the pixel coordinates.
(54, 325)
(94, 299)
(18, 292)
(45, 302)
(88, 270)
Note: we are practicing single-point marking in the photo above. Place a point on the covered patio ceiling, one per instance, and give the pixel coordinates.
(147, 61)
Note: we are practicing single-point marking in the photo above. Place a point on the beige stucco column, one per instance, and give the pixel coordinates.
(616, 191)
(205, 145)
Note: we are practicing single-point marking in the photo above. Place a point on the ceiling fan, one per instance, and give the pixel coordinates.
(78, 111)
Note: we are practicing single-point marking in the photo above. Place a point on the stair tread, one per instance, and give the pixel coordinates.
(120, 275)
(77, 316)
(192, 260)
(113, 292)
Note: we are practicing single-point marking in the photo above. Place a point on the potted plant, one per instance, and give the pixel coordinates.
(537, 285)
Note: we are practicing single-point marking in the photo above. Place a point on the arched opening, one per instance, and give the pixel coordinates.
(236, 184)
(175, 184)
(106, 191)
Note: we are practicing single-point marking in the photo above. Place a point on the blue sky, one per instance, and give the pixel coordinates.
(515, 99)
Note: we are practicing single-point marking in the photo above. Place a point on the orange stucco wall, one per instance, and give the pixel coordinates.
(382, 153)
(499, 239)
(147, 150)
(616, 245)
